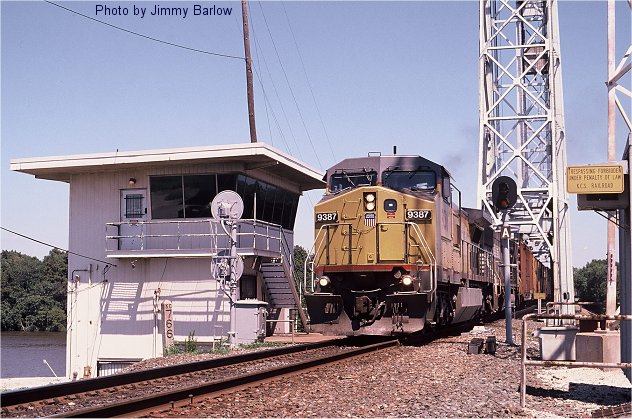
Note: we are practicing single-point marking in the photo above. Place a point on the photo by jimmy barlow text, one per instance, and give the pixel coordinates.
(158, 10)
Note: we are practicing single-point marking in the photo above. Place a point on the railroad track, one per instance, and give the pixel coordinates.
(621, 411)
(138, 393)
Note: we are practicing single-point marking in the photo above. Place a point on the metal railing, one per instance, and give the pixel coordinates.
(571, 364)
(551, 304)
(287, 261)
(208, 235)
(480, 262)
(200, 234)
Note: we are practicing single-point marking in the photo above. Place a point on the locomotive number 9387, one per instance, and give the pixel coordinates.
(396, 253)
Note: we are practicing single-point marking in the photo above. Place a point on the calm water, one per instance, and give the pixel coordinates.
(22, 354)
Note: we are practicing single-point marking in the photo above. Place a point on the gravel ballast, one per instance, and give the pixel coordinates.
(438, 379)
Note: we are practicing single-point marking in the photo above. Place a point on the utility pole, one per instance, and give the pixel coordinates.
(251, 97)
(611, 280)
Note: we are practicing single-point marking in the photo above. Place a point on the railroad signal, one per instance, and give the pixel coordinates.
(504, 193)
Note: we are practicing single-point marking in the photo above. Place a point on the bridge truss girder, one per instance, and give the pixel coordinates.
(522, 127)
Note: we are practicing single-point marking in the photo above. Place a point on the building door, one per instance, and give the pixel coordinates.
(133, 215)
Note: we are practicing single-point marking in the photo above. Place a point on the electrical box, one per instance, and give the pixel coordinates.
(605, 201)
(251, 321)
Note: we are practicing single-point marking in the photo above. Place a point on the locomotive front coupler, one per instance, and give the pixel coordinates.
(379, 312)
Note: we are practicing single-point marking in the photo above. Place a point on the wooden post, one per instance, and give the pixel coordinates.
(167, 325)
(251, 98)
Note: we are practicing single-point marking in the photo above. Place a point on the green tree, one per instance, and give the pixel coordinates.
(590, 282)
(33, 292)
(300, 255)
(55, 271)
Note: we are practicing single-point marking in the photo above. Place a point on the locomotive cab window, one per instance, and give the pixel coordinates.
(413, 180)
(343, 180)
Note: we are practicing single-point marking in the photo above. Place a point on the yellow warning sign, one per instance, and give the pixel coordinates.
(594, 179)
(539, 296)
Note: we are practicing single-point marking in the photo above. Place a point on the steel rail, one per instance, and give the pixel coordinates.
(621, 411)
(34, 394)
(188, 394)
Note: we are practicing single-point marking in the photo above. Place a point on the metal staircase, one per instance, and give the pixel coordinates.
(279, 280)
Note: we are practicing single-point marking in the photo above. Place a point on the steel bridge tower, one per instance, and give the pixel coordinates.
(522, 131)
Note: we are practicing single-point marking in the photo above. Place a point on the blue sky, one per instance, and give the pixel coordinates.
(381, 73)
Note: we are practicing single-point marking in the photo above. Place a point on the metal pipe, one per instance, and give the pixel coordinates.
(232, 334)
(550, 305)
(50, 368)
(578, 364)
(611, 276)
(291, 322)
(579, 316)
(578, 303)
(507, 285)
(523, 363)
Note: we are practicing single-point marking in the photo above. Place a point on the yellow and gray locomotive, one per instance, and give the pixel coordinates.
(394, 251)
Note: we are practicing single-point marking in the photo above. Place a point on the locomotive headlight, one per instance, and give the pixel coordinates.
(324, 281)
(369, 201)
(407, 280)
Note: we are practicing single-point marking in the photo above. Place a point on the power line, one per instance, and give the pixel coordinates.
(290, 87)
(257, 63)
(56, 247)
(276, 121)
(260, 77)
(145, 36)
(308, 83)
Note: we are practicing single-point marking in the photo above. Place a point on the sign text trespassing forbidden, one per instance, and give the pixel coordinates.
(594, 179)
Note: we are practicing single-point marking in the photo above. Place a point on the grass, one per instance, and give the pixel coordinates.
(190, 346)
(258, 345)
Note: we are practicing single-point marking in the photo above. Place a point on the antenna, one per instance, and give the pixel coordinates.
(227, 205)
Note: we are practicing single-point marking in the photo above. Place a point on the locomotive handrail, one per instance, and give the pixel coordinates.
(310, 255)
(488, 262)
(431, 257)
(312, 252)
